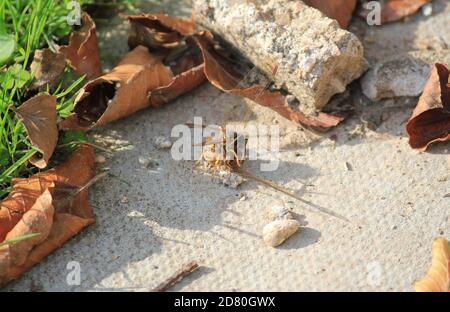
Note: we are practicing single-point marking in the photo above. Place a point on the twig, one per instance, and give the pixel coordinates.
(90, 144)
(283, 190)
(187, 269)
(74, 191)
(91, 182)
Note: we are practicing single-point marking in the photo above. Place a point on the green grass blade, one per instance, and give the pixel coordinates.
(19, 239)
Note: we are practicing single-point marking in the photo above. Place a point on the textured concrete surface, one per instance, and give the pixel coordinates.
(152, 221)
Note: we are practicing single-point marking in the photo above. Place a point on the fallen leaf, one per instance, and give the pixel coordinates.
(65, 226)
(182, 83)
(222, 74)
(119, 93)
(47, 68)
(151, 78)
(394, 10)
(165, 36)
(430, 121)
(77, 170)
(38, 115)
(38, 219)
(18, 239)
(82, 51)
(340, 10)
(438, 276)
(45, 203)
(157, 31)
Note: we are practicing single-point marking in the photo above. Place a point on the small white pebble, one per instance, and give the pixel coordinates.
(229, 178)
(279, 212)
(162, 142)
(276, 232)
(147, 162)
(427, 9)
(124, 200)
(100, 159)
(144, 160)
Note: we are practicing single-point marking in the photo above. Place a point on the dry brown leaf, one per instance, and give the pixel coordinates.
(38, 219)
(47, 204)
(394, 10)
(119, 93)
(47, 68)
(77, 170)
(182, 83)
(188, 73)
(157, 31)
(82, 52)
(38, 115)
(340, 10)
(430, 121)
(438, 276)
(64, 227)
(222, 74)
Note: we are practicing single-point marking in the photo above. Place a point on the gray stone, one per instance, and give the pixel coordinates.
(401, 75)
(278, 212)
(162, 142)
(314, 57)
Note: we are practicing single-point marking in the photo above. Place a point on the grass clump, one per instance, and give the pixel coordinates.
(24, 27)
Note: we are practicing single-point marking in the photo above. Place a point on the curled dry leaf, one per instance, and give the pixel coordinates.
(76, 172)
(438, 276)
(119, 93)
(180, 84)
(38, 219)
(394, 10)
(142, 78)
(38, 115)
(47, 68)
(221, 72)
(52, 203)
(82, 52)
(158, 30)
(64, 227)
(430, 121)
(340, 10)
(164, 35)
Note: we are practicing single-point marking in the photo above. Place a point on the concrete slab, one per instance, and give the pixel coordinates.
(152, 221)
